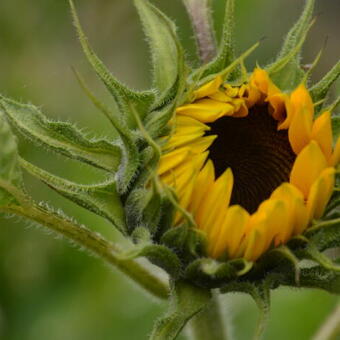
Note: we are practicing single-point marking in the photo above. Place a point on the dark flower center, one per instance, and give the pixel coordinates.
(259, 155)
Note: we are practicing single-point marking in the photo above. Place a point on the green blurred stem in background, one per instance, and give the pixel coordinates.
(94, 243)
(209, 324)
(201, 18)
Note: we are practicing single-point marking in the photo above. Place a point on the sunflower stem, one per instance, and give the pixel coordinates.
(94, 243)
(209, 323)
(201, 19)
(331, 328)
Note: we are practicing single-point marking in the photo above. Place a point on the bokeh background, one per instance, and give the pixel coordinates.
(50, 290)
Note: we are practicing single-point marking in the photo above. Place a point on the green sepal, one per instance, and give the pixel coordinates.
(102, 199)
(327, 237)
(123, 96)
(143, 208)
(186, 301)
(209, 273)
(290, 74)
(164, 46)
(159, 255)
(315, 277)
(320, 90)
(281, 259)
(130, 155)
(60, 137)
(187, 242)
(10, 172)
(312, 252)
(226, 52)
(167, 218)
(157, 121)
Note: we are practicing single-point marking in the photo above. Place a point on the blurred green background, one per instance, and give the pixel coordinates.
(50, 290)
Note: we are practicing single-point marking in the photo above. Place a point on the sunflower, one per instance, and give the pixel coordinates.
(250, 163)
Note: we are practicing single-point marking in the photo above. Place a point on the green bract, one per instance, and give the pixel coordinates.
(133, 200)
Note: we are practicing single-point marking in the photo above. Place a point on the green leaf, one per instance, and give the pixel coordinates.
(61, 137)
(161, 34)
(102, 199)
(319, 90)
(10, 173)
(186, 301)
(226, 52)
(289, 76)
(121, 93)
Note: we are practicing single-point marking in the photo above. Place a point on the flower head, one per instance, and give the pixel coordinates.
(251, 164)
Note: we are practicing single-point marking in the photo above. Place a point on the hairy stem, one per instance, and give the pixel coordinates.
(94, 243)
(186, 301)
(209, 323)
(200, 14)
(331, 328)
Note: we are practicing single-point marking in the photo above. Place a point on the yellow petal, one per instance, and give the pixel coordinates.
(222, 189)
(179, 140)
(217, 198)
(172, 159)
(300, 130)
(307, 167)
(255, 244)
(231, 91)
(208, 89)
(185, 128)
(204, 181)
(261, 80)
(278, 105)
(296, 210)
(221, 97)
(206, 110)
(187, 122)
(231, 232)
(240, 108)
(270, 225)
(202, 144)
(322, 133)
(184, 199)
(320, 193)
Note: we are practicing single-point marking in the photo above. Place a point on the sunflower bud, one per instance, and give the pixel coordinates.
(225, 178)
